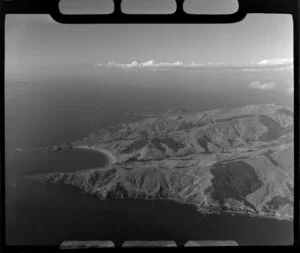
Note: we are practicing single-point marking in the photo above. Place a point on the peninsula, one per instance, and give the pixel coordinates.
(236, 160)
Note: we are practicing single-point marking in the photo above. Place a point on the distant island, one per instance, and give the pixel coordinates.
(238, 161)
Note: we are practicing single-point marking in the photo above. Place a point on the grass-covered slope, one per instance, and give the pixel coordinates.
(237, 160)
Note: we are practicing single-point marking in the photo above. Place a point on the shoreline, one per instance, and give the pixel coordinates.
(207, 213)
(111, 157)
(44, 177)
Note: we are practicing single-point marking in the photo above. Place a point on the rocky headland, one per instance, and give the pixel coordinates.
(237, 160)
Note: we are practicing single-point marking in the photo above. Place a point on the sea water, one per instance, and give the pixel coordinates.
(47, 214)
(54, 111)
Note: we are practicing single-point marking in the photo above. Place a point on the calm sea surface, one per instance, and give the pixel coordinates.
(55, 111)
(41, 214)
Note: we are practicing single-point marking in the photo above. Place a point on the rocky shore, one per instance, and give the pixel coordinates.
(237, 161)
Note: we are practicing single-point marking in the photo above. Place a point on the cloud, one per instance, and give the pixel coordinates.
(262, 65)
(276, 61)
(276, 64)
(262, 86)
(151, 64)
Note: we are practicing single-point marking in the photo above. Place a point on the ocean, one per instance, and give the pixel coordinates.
(43, 214)
(52, 111)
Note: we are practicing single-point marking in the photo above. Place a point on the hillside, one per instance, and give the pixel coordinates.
(237, 160)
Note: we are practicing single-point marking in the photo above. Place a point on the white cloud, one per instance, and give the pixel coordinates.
(148, 63)
(196, 65)
(132, 64)
(263, 65)
(169, 64)
(276, 64)
(151, 64)
(262, 86)
(276, 61)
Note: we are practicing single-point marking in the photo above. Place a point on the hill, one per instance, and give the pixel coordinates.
(234, 160)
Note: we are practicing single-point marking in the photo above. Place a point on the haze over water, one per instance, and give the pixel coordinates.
(64, 108)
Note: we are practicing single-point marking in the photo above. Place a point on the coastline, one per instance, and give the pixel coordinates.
(209, 213)
(180, 201)
(43, 178)
(230, 212)
(111, 157)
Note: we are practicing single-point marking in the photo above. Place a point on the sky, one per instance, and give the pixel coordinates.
(36, 40)
(36, 44)
(148, 67)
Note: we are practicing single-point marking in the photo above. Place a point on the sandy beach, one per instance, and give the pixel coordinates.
(111, 157)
